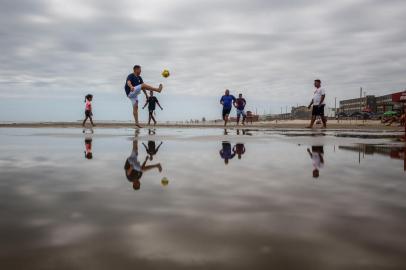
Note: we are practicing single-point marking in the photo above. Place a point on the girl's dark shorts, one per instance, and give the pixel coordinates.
(88, 113)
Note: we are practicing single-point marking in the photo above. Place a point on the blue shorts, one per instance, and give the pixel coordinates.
(240, 112)
(133, 95)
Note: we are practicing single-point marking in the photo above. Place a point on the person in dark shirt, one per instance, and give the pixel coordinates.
(225, 152)
(239, 104)
(151, 101)
(133, 87)
(227, 102)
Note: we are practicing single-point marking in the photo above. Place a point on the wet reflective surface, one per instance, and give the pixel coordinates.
(200, 199)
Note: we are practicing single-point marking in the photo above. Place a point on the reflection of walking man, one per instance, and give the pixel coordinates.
(318, 103)
(226, 153)
(317, 159)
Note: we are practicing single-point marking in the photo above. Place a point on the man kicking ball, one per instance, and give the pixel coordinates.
(133, 87)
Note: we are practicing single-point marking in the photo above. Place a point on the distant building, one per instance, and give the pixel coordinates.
(369, 103)
(350, 106)
(301, 112)
(384, 103)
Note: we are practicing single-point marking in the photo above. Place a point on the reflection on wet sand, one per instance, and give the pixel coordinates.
(244, 132)
(227, 152)
(88, 147)
(239, 132)
(393, 152)
(134, 169)
(59, 212)
(239, 149)
(317, 156)
(151, 149)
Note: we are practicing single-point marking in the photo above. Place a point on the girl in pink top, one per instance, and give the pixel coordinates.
(88, 110)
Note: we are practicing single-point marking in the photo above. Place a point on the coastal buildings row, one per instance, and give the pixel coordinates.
(371, 103)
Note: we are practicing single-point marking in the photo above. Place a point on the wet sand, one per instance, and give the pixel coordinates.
(206, 199)
(283, 124)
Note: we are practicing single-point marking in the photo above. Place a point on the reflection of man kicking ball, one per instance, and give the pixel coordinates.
(133, 87)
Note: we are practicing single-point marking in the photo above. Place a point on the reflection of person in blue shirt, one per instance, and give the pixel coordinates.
(227, 101)
(226, 152)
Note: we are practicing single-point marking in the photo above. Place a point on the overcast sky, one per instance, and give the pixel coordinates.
(53, 52)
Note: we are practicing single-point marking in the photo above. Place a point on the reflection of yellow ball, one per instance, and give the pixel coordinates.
(165, 73)
(165, 181)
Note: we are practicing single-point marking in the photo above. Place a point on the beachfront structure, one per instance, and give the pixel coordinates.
(301, 112)
(370, 103)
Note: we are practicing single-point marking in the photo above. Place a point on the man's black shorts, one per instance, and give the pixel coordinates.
(318, 110)
(226, 111)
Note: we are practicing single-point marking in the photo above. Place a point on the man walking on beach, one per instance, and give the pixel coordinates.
(239, 104)
(227, 102)
(133, 87)
(318, 103)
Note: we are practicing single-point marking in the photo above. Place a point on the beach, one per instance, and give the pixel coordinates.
(281, 124)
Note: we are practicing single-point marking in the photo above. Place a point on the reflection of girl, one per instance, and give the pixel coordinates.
(133, 168)
(88, 148)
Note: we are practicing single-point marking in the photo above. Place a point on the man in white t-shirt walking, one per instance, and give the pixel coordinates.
(318, 103)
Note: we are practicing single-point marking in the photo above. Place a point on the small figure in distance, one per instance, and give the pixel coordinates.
(151, 101)
(88, 112)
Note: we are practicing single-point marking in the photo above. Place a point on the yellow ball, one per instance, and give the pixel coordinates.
(165, 73)
(164, 181)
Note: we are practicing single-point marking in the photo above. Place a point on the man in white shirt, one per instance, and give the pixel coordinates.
(318, 103)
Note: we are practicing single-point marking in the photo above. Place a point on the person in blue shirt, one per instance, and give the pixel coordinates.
(133, 87)
(227, 101)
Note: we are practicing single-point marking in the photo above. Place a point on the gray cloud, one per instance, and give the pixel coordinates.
(271, 48)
